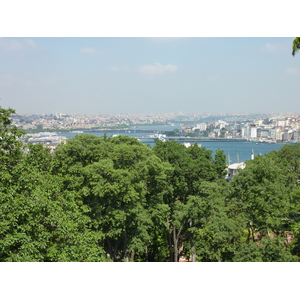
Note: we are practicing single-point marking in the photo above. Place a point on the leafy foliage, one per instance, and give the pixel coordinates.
(10, 147)
(296, 45)
(115, 199)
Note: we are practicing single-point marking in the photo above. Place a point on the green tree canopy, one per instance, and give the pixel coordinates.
(10, 146)
(296, 45)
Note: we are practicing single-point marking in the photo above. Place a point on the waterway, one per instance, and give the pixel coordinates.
(238, 151)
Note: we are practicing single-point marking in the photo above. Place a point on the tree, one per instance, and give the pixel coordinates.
(212, 234)
(39, 157)
(260, 194)
(191, 167)
(41, 221)
(267, 250)
(296, 45)
(122, 182)
(287, 158)
(10, 146)
(220, 163)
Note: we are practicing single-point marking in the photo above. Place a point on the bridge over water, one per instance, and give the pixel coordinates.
(194, 139)
(128, 131)
(168, 138)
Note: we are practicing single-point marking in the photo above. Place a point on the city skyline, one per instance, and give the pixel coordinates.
(148, 75)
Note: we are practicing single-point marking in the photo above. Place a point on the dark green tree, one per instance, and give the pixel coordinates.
(10, 146)
(213, 235)
(39, 157)
(296, 45)
(41, 221)
(122, 181)
(259, 191)
(191, 167)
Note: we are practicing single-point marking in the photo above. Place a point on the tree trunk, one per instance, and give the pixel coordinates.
(193, 246)
(125, 247)
(249, 234)
(132, 256)
(170, 247)
(175, 241)
(146, 254)
(175, 245)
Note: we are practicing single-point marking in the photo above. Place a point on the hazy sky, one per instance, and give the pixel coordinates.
(155, 75)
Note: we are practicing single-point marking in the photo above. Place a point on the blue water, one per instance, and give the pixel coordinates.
(237, 150)
(241, 149)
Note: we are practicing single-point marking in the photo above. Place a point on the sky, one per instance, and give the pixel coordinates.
(168, 58)
(148, 75)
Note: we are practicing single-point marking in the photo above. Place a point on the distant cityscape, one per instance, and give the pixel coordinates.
(255, 126)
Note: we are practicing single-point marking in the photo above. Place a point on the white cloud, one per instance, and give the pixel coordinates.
(88, 50)
(10, 45)
(158, 68)
(212, 77)
(14, 45)
(31, 44)
(268, 47)
(292, 71)
(114, 69)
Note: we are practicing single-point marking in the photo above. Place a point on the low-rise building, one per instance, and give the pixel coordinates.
(234, 169)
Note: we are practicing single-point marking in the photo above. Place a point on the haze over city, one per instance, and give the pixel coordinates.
(148, 75)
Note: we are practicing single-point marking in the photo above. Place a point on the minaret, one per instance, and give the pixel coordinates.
(228, 159)
(252, 154)
(238, 158)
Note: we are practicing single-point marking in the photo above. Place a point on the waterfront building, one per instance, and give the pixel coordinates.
(273, 133)
(279, 135)
(186, 129)
(287, 135)
(249, 132)
(295, 136)
(245, 133)
(201, 126)
(263, 133)
(233, 169)
(253, 132)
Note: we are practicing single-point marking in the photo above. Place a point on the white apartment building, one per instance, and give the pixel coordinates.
(249, 132)
(220, 124)
(253, 132)
(201, 126)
